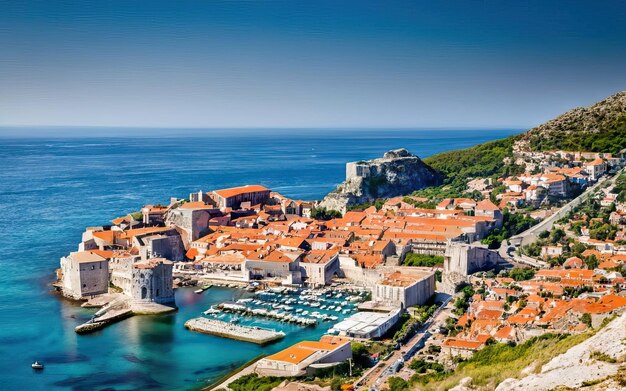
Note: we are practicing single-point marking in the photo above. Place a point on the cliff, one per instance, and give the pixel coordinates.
(397, 173)
(597, 363)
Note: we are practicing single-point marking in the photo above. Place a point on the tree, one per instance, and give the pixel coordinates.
(397, 384)
(591, 262)
(324, 214)
(521, 273)
(586, 319)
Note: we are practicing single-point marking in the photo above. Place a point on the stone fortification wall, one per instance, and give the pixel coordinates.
(397, 173)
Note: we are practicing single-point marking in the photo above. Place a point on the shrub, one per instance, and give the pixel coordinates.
(412, 259)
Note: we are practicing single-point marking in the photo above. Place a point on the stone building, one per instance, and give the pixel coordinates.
(404, 290)
(233, 197)
(319, 267)
(305, 357)
(84, 274)
(461, 260)
(152, 282)
(166, 244)
(274, 264)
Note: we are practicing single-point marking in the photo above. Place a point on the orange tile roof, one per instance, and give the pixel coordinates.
(235, 191)
(191, 253)
(462, 344)
(302, 350)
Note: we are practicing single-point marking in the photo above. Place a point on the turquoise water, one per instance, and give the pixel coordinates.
(51, 189)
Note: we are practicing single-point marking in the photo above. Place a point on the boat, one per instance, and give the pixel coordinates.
(36, 365)
(211, 311)
(235, 320)
(305, 312)
(198, 291)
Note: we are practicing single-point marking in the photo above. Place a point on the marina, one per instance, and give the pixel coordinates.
(306, 308)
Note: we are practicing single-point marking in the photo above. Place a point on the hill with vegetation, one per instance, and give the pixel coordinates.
(597, 128)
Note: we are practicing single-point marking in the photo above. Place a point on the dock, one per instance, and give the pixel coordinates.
(219, 328)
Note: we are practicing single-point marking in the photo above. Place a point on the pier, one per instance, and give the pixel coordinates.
(256, 335)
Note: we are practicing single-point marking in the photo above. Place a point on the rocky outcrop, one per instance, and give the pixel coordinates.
(598, 359)
(397, 173)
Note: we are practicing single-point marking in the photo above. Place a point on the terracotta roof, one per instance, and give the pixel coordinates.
(235, 191)
(462, 344)
(302, 350)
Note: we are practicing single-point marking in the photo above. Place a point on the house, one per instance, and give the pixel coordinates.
(573, 263)
(489, 209)
(269, 263)
(461, 347)
(551, 251)
(595, 168)
(233, 197)
(305, 357)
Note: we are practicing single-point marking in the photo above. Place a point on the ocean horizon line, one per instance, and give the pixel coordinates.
(59, 131)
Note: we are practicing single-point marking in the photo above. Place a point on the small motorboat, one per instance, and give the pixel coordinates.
(37, 365)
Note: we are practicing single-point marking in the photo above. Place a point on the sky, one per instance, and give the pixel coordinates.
(220, 64)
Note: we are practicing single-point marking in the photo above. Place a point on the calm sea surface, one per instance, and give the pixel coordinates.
(52, 188)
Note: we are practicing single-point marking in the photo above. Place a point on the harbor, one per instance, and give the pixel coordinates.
(219, 328)
(301, 307)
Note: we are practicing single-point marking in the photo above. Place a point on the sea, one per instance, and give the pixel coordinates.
(54, 182)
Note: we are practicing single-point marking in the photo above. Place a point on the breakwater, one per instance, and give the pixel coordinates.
(255, 335)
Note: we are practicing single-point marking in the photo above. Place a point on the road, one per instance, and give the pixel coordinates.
(377, 375)
(530, 235)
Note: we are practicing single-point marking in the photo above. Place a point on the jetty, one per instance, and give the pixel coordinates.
(219, 328)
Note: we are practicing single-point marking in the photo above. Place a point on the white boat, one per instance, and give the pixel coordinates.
(36, 365)
(211, 311)
(197, 291)
(332, 307)
(305, 312)
(299, 310)
(322, 307)
(338, 309)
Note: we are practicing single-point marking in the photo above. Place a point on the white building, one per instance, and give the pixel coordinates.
(367, 324)
(305, 357)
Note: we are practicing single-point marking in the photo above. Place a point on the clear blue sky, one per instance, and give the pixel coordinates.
(306, 63)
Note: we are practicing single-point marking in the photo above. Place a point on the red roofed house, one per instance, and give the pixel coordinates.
(233, 197)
